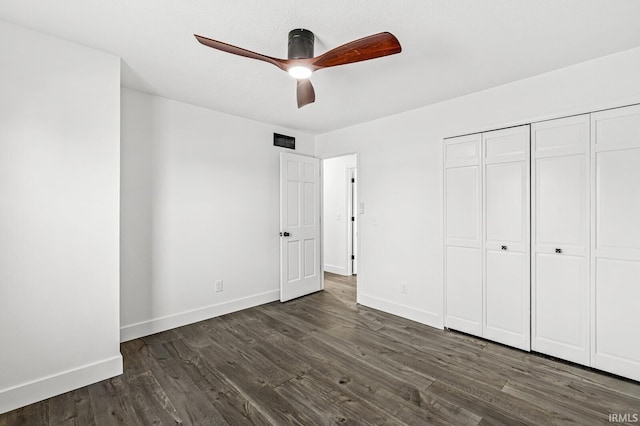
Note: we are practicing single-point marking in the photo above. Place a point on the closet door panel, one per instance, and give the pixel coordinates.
(505, 200)
(561, 307)
(462, 198)
(618, 208)
(464, 289)
(560, 229)
(463, 234)
(506, 145)
(617, 346)
(616, 241)
(560, 204)
(507, 305)
(506, 299)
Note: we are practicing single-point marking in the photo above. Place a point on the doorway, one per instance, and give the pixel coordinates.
(340, 215)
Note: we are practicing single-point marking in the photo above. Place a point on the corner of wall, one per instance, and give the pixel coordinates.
(157, 325)
(57, 384)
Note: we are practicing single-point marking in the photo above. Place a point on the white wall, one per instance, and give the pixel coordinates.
(335, 177)
(400, 169)
(200, 203)
(59, 208)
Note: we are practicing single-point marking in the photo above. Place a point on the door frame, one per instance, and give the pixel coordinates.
(359, 238)
(352, 211)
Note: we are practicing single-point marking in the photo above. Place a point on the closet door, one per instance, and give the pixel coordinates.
(560, 230)
(463, 234)
(615, 249)
(507, 316)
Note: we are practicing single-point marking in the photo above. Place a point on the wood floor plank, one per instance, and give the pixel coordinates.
(264, 367)
(150, 401)
(554, 402)
(323, 359)
(318, 322)
(34, 414)
(491, 414)
(329, 306)
(223, 396)
(333, 370)
(554, 372)
(72, 408)
(330, 404)
(191, 404)
(112, 403)
(254, 387)
(472, 383)
(398, 398)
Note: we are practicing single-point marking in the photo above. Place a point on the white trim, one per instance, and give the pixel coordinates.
(570, 112)
(56, 384)
(145, 328)
(320, 220)
(348, 198)
(359, 279)
(424, 317)
(336, 270)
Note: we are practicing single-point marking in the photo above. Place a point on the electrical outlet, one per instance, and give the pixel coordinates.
(219, 286)
(404, 288)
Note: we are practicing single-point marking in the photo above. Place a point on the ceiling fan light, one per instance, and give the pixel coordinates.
(299, 72)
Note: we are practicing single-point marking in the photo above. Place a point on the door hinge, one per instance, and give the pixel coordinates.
(353, 257)
(353, 219)
(353, 180)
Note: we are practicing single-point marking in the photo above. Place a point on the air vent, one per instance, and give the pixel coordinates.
(284, 141)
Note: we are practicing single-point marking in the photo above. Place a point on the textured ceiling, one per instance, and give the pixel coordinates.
(450, 48)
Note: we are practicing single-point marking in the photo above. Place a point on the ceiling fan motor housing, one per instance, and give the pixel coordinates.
(300, 44)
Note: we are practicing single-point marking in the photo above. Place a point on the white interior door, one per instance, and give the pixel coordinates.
(300, 268)
(615, 248)
(463, 234)
(560, 261)
(507, 312)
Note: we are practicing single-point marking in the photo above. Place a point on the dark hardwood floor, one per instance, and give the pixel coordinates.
(321, 360)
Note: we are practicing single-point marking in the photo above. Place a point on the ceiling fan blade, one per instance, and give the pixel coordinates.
(305, 93)
(371, 47)
(280, 63)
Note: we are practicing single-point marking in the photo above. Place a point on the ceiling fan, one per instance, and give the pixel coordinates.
(301, 63)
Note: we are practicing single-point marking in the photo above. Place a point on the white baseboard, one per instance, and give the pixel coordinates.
(335, 270)
(46, 387)
(424, 317)
(156, 325)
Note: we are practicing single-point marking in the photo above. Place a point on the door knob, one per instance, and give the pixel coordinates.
(285, 234)
(503, 247)
(558, 250)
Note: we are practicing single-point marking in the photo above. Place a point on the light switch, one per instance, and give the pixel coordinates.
(361, 207)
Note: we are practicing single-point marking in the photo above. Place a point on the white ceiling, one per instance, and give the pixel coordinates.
(450, 48)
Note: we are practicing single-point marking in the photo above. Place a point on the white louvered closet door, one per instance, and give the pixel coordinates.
(560, 232)
(615, 249)
(506, 237)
